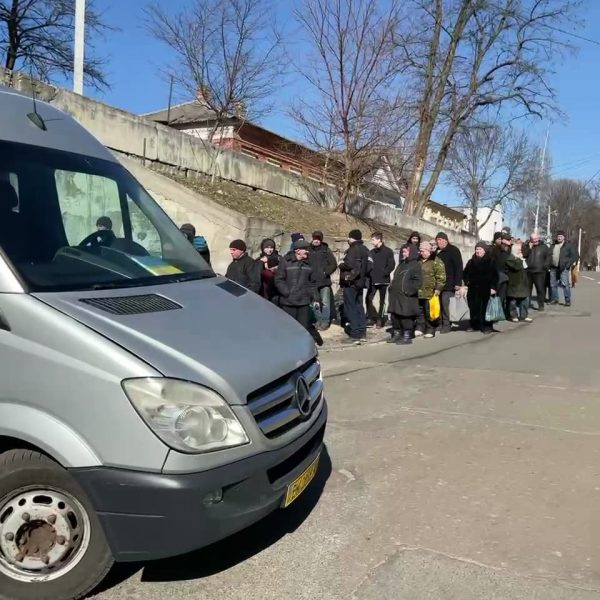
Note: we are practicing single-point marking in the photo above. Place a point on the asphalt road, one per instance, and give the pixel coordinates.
(465, 467)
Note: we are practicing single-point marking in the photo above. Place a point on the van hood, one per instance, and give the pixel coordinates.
(217, 334)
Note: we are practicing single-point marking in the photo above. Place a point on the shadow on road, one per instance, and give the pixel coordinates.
(233, 550)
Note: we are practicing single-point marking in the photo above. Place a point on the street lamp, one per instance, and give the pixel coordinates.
(548, 230)
(581, 231)
(79, 46)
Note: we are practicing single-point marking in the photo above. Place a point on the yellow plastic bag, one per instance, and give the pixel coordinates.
(434, 308)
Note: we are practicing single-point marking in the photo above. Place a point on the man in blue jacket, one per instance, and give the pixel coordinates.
(353, 280)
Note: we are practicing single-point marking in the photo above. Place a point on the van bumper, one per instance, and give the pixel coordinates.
(147, 516)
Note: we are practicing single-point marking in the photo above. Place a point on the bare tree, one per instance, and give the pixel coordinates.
(352, 112)
(466, 56)
(37, 36)
(492, 167)
(228, 51)
(575, 204)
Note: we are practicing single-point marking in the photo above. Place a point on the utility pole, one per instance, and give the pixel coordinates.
(539, 198)
(79, 46)
(579, 247)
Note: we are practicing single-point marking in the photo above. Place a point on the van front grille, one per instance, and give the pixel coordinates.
(132, 305)
(278, 407)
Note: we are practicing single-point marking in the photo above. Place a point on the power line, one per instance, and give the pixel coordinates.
(592, 178)
(575, 35)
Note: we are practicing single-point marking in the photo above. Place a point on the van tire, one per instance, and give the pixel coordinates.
(23, 470)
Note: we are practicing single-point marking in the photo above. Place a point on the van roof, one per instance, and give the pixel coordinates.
(62, 131)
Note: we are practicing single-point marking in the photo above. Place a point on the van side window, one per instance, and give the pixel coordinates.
(142, 230)
(83, 198)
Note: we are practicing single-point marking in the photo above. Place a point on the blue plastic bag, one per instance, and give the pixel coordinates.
(494, 311)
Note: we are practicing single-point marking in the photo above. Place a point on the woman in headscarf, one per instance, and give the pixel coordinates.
(269, 261)
(404, 297)
(433, 281)
(414, 242)
(481, 277)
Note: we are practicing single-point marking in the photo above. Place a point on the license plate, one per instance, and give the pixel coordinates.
(301, 482)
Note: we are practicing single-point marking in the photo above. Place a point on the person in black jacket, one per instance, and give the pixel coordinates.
(297, 287)
(500, 253)
(323, 264)
(481, 277)
(414, 243)
(538, 259)
(198, 241)
(404, 297)
(268, 261)
(353, 280)
(243, 269)
(452, 258)
(382, 266)
(563, 256)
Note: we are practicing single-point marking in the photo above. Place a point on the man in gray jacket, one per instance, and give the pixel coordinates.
(537, 256)
(564, 256)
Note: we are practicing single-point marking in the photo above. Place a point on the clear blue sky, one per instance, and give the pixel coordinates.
(135, 59)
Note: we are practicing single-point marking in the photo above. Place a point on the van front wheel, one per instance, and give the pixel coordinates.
(52, 546)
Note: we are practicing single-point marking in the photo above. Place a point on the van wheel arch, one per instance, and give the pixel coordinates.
(8, 443)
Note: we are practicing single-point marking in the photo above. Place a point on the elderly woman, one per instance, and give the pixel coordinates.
(481, 277)
(404, 297)
(433, 280)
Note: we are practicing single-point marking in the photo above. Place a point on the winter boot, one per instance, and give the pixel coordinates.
(405, 339)
(395, 337)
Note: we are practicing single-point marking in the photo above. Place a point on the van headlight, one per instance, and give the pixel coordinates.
(186, 416)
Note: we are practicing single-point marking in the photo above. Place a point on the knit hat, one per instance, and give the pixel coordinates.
(297, 236)
(355, 234)
(239, 245)
(482, 245)
(442, 236)
(506, 236)
(317, 235)
(267, 243)
(497, 235)
(300, 245)
(560, 232)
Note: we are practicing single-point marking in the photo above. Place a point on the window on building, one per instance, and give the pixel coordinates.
(249, 153)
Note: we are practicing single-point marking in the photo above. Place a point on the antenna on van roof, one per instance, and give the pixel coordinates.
(35, 116)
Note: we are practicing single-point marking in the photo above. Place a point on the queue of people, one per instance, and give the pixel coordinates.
(418, 293)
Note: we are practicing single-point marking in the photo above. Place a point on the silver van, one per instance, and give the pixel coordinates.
(147, 406)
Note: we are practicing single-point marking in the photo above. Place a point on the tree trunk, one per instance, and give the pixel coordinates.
(414, 187)
(13, 43)
(340, 207)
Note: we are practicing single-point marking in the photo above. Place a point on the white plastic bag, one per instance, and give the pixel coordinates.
(459, 309)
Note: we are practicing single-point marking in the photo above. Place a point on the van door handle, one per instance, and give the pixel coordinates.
(4, 324)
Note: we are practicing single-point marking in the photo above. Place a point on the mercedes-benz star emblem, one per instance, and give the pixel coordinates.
(302, 397)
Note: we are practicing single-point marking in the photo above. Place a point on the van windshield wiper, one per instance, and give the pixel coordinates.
(128, 283)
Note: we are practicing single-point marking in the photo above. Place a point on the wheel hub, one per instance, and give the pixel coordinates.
(41, 534)
(36, 539)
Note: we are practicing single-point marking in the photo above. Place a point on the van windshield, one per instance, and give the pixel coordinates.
(70, 222)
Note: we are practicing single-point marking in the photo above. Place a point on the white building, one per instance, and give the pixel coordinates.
(492, 224)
